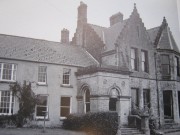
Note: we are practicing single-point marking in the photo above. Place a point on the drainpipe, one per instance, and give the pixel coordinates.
(155, 58)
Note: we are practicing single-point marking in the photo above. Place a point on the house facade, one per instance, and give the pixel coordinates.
(118, 68)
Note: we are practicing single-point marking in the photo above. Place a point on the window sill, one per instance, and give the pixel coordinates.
(42, 84)
(62, 118)
(66, 85)
(7, 81)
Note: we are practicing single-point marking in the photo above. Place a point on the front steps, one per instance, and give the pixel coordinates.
(130, 131)
(170, 126)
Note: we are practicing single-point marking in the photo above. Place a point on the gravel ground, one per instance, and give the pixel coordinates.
(29, 131)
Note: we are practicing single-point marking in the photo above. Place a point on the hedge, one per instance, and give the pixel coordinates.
(104, 123)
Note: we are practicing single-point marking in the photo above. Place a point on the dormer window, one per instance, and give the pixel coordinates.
(8, 72)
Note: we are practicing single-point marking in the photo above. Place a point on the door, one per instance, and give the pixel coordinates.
(168, 104)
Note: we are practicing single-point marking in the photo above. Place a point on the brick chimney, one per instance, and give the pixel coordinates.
(118, 17)
(82, 14)
(65, 36)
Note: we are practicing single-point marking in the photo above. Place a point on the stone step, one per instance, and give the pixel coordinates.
(130, 131)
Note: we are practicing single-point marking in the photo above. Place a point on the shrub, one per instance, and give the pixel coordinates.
(27, 101)
(105, 123)
(7, 120)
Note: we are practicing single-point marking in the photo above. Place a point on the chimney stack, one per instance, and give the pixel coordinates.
(116, 18)
(65, 36)
(82, 14)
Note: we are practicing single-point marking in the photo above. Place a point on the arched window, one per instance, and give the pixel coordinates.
(86, 100)
(113, 99)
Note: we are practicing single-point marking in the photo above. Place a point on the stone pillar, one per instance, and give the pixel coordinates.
(119, 117)
(145, 124)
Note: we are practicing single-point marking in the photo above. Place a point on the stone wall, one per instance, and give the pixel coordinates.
(100, 85)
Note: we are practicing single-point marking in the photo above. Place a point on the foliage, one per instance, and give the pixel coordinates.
(103, 123)
(27, 101)
(4, 120)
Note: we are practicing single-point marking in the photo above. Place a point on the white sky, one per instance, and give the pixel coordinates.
(44, 19)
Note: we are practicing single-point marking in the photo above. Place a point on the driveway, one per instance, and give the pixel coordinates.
(31, 131)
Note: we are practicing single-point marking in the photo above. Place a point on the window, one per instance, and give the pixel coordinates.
(65, 108)
(144, 61)
(165, 65)
(134, 59)
(6, 103)
(146, 98)
(86, 101)
(112, 104)
(66, 76)
(134, 98)
(42, 106)
(42, 74)
(177, 66)
(8, 72)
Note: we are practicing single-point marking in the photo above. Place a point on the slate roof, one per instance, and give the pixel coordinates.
(153, 33)
(162, 37)
(167, 41)
(109, 35)
(21, 48)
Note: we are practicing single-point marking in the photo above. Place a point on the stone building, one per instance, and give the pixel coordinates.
(119, 68)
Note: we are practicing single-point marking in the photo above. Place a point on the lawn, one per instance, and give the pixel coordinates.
(31, 131)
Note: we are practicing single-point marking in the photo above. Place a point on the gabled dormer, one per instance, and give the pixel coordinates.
(135, 49)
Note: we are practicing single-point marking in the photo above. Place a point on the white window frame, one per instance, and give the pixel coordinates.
(13, 72)
(70, 107)
(11, 103)
(47, 109)
(42, 74)
(64, 79)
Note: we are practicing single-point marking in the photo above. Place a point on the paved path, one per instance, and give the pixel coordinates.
(29, 131)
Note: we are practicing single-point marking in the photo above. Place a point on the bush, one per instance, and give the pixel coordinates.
(105, 123)
(27, 101)
(7, 120)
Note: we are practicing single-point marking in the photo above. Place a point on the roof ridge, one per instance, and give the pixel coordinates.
(97, 25)
(153, 28)
(29, 38)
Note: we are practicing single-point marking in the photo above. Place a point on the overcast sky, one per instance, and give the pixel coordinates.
(44, 19)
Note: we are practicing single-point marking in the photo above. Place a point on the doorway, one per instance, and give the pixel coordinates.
(168, 104)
